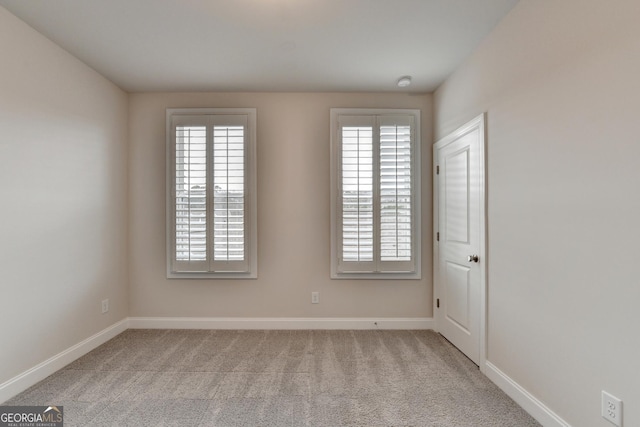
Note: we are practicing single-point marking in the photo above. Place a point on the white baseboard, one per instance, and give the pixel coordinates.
(278, 323)
(19, 383)
(522, 397)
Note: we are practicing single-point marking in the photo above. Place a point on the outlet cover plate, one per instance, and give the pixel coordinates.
(611, 409)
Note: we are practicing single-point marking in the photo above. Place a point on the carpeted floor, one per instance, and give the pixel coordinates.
(275, 378)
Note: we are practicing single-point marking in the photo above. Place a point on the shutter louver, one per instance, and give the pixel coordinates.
(190, 190)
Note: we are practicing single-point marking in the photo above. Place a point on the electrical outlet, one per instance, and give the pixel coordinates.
(611, 409)
(105, 305)
(315, 297)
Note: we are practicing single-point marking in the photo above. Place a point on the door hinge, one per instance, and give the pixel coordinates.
(438, 236)
(438, 303)
(438, 170)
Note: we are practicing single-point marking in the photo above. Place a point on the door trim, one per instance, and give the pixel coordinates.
(479, 123)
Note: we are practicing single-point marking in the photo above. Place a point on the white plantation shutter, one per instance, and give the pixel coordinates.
(229, 188)
(396, 195)
(212, 204)
(356, 196)
(375, 186)
(357, 193)
(191, 199)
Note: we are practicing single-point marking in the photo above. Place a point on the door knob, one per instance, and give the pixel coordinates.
(473, 258)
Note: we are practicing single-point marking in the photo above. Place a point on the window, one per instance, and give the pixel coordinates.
(211, 193)
(375, 194)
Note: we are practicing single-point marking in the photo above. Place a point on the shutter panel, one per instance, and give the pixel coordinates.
(228, 187)
(229, 183)
(396, 193)
(191, 199)
(357, 194)
(190, 224)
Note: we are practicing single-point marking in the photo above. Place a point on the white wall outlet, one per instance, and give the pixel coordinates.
(611, 408)
(105, 305)
(315, 297)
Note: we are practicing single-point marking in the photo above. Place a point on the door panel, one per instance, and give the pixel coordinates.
(457, 290)
(456, 171)
(459, 201)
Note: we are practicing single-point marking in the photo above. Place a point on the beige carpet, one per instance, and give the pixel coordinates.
(275, 378)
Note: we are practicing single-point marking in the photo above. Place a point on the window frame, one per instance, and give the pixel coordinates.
(209, 117)
(378, 117)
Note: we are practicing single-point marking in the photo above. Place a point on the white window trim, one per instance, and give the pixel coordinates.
(335, 114)
(250, 197)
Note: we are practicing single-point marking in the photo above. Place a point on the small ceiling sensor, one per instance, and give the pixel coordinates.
(404, 81)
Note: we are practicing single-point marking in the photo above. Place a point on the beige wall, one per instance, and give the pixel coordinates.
(63, 180)
(293, 215)
(560, 81)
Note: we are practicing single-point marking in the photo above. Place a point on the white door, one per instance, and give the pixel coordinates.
(459, 252)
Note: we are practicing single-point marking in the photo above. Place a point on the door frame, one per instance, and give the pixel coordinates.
(479, 122)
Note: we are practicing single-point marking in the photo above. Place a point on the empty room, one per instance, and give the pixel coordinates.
(319, 213)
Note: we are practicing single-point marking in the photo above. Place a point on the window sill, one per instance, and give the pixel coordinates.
(209, 276)
(376, 276)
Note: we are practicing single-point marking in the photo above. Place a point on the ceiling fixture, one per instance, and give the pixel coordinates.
(404, 81)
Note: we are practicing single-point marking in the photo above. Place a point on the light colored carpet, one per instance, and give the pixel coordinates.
(276, 378)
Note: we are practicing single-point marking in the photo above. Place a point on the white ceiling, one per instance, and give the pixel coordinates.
(266, 45)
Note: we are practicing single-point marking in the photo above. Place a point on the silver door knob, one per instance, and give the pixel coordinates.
(473, 258)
